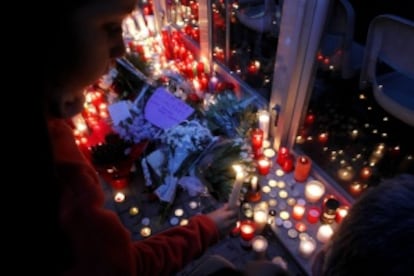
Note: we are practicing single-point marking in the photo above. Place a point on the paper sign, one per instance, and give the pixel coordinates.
(119, 111)
(165, 110)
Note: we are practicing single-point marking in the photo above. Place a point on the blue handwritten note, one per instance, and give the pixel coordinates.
(165, 110)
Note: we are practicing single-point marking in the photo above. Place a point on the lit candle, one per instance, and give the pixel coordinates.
(247, 230)
(259, 245)
(307, 246)
(313, 215)
(260, 216)
(119, 197)
(235, 193)
(179, 212)
(346, 173)
(302, 168)
(287, 165)
(257, 138)
(300, 227)
(282, 154)
(324, 233)
(236, 230)
(145, 231)
(365, 173)
(264, 121)
(298, 211)
(263, 165)
(341, 212)
(253, 183)
(133, 211)
(269, 153)
(314, 190)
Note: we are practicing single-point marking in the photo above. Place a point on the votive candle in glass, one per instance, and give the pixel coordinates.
(263, 165)
(260, 216)
(313, 215)
(324, 233)
(287, 164)
(247, 232)
(257, 138)
(307, 246)
(314, 190)
(259, 246)
(298, 211)
(302, 168)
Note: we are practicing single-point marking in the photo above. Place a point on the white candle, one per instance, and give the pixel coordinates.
(314, 190)
(264, 121)
(260, 216)
(259, 245)
(324, 233)
(253, 183)
(235, 193)
(307, 246)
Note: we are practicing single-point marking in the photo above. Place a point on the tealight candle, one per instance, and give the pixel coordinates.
(346, 174)
(284, 215)
(145, 231)
(184, 222)
(280, 172)
(324, 233)
(313, 215)
(298, 212)
(300, 227)
(259, 245)
(193, 204)
(263, 166)
(269, 153)
(365, 173)
(179, 212)
(314, 190)
(133, 211)
(260, 216)
(119, 197)
(302, 168)
(307, 246)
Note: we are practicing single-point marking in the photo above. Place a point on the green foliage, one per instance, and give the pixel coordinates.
(216, 171)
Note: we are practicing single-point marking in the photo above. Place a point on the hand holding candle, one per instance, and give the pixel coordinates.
(235, 193)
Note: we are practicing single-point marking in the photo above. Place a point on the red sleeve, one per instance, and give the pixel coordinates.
(101, 244)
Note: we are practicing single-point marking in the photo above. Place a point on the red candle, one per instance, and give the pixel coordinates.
(236, 230)
(313, 215)
(257, 138)
(298, 211)
(263, 165)
(247, 230)
(282, 155)
(300, 226)
(302, 168)
(366, 173)
(287, 165)
(323, 137)
(341, 212)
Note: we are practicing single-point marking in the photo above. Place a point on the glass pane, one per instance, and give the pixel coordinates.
(248, 46)
(354, 140)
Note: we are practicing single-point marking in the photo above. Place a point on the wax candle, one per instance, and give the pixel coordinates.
(260, 216)
(298, 212)
(235, 193)
(119, 197)
(247, 231)
(313, 215)
(324, 233)
(314, 190)
(259, 246)
(307, 246)
(264, 121)
(145, 231)
(236, 230)
(282, 154)
(134, 210)
(365, 173)
(302, 168)
(263, 165)
(253, 194)
(257, 138)
(341, 213)
(346, 173)
(287, 164)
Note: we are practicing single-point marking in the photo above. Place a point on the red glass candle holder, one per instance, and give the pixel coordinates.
(247, 230)
(263, 165)
(302, 168)
(298, 211)
(341, 213)
(313, 215)
(257, 138)
(282, 155)
(287, 164)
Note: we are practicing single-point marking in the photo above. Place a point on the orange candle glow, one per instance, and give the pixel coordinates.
(302, 168)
